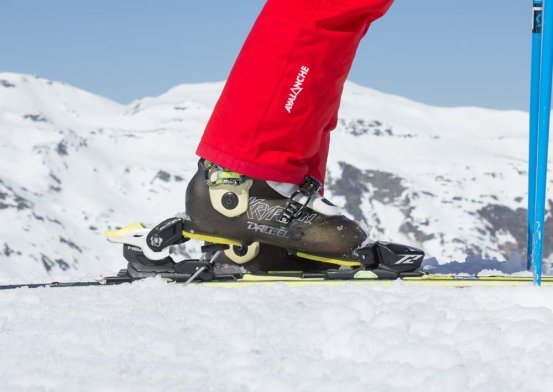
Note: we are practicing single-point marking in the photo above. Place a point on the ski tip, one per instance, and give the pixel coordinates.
(115, 235)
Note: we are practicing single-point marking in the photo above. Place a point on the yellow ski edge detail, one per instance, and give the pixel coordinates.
(491, 278)
(268, 278)
(429, 281)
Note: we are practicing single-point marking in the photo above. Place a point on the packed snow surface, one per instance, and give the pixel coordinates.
(153, 336)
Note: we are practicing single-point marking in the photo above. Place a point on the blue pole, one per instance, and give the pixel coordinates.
(546, 74)
(534, 115)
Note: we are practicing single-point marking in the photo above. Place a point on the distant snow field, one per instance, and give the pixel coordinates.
(155, 336)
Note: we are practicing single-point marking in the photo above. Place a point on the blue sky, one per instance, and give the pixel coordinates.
(469, 52)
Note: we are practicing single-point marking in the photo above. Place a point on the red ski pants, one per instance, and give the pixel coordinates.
(274, 116)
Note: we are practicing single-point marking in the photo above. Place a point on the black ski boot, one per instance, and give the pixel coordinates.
(227, 208)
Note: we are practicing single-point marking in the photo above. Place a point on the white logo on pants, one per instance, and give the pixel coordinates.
(296, 89)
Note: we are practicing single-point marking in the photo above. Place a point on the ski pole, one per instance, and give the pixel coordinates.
(534, 115)
(543, 136)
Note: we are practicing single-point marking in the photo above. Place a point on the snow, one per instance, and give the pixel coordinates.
(154, 336)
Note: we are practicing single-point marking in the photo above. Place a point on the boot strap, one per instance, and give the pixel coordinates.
(294, 209)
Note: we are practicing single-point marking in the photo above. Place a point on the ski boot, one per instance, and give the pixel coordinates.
(249, 215)
(227, 208)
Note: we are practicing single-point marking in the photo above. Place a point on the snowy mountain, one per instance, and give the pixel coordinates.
(449, 180)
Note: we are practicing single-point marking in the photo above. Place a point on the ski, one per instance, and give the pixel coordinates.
(103, 281)
(296, 279)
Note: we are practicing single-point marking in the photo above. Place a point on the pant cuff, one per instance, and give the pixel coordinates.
(249, 169)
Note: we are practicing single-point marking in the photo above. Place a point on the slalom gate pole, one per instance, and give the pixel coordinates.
(544, 115)
(534, 115)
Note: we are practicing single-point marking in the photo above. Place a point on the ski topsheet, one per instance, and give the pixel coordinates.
(291, 281)
(425, 280)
